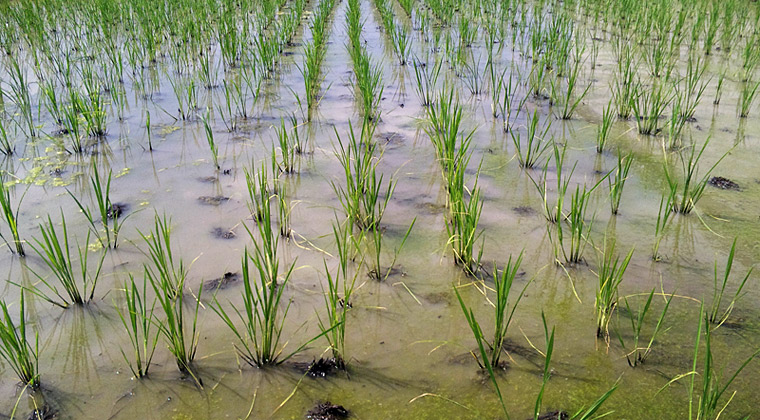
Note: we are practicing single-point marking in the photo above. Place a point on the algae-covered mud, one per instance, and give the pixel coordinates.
(379, 209)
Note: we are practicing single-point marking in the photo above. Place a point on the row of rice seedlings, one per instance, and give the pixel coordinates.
(610, 275)
(465, 205)
(686, 195)
(138, 320)
(637, 353)
(110, 214)
(617, 182)
(55, 252)
(718, 314)
(536, 142)
(398, 33)
(365, 196)
(17, 349)
(368, 76)
(314, 54)
(11, 218)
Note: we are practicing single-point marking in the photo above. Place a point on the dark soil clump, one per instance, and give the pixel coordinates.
(117, 210)
(327, 411)
(323, 368)
(214, 200)
(524, 211)
(723, 183)
(220, 233)
(223, 282)
(554, 415)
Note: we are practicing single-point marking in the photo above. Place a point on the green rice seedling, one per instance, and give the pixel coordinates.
(686, 195)
(648, 106)
(376, 236)
(547, 371)
(465, 208)
(265, 255)
(55, 253)
(337, 303)
(181, 338)
(718, 315)
(73, 125)
(163, 267)
(610, 275)
(504, 310)
(472, 76)
(92, 109)
(138, 322)
(15, 347)
(748, 94)
(536, 142)
(148, 131)
(11, 218)
(482, 357)
(427, 81)
(211, 143)
(577, 227)
(19, 84)
(408, 6)
(288, 148)
(664, 216)
(637, 354)
(603, 130)
(624, 86)
(227, 108)
(258, 192)
(283, 210)
(52, 102)
(452, 146)
(111, 220)
(676, 124)
(261, 331)
(617, 182)
(569, 101)
(705, 399)
(365, 196)
(402, 44)
(693, 87)
(719, 87)
(554, 212)
(508, 101)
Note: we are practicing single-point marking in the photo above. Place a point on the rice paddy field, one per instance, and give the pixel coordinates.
(379, 209)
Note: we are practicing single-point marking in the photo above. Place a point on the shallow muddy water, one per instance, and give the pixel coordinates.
(408, 343)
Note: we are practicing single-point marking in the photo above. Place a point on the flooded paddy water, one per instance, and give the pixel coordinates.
(409, 351)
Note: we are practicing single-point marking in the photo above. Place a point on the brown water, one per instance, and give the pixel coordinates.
(407, 340)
